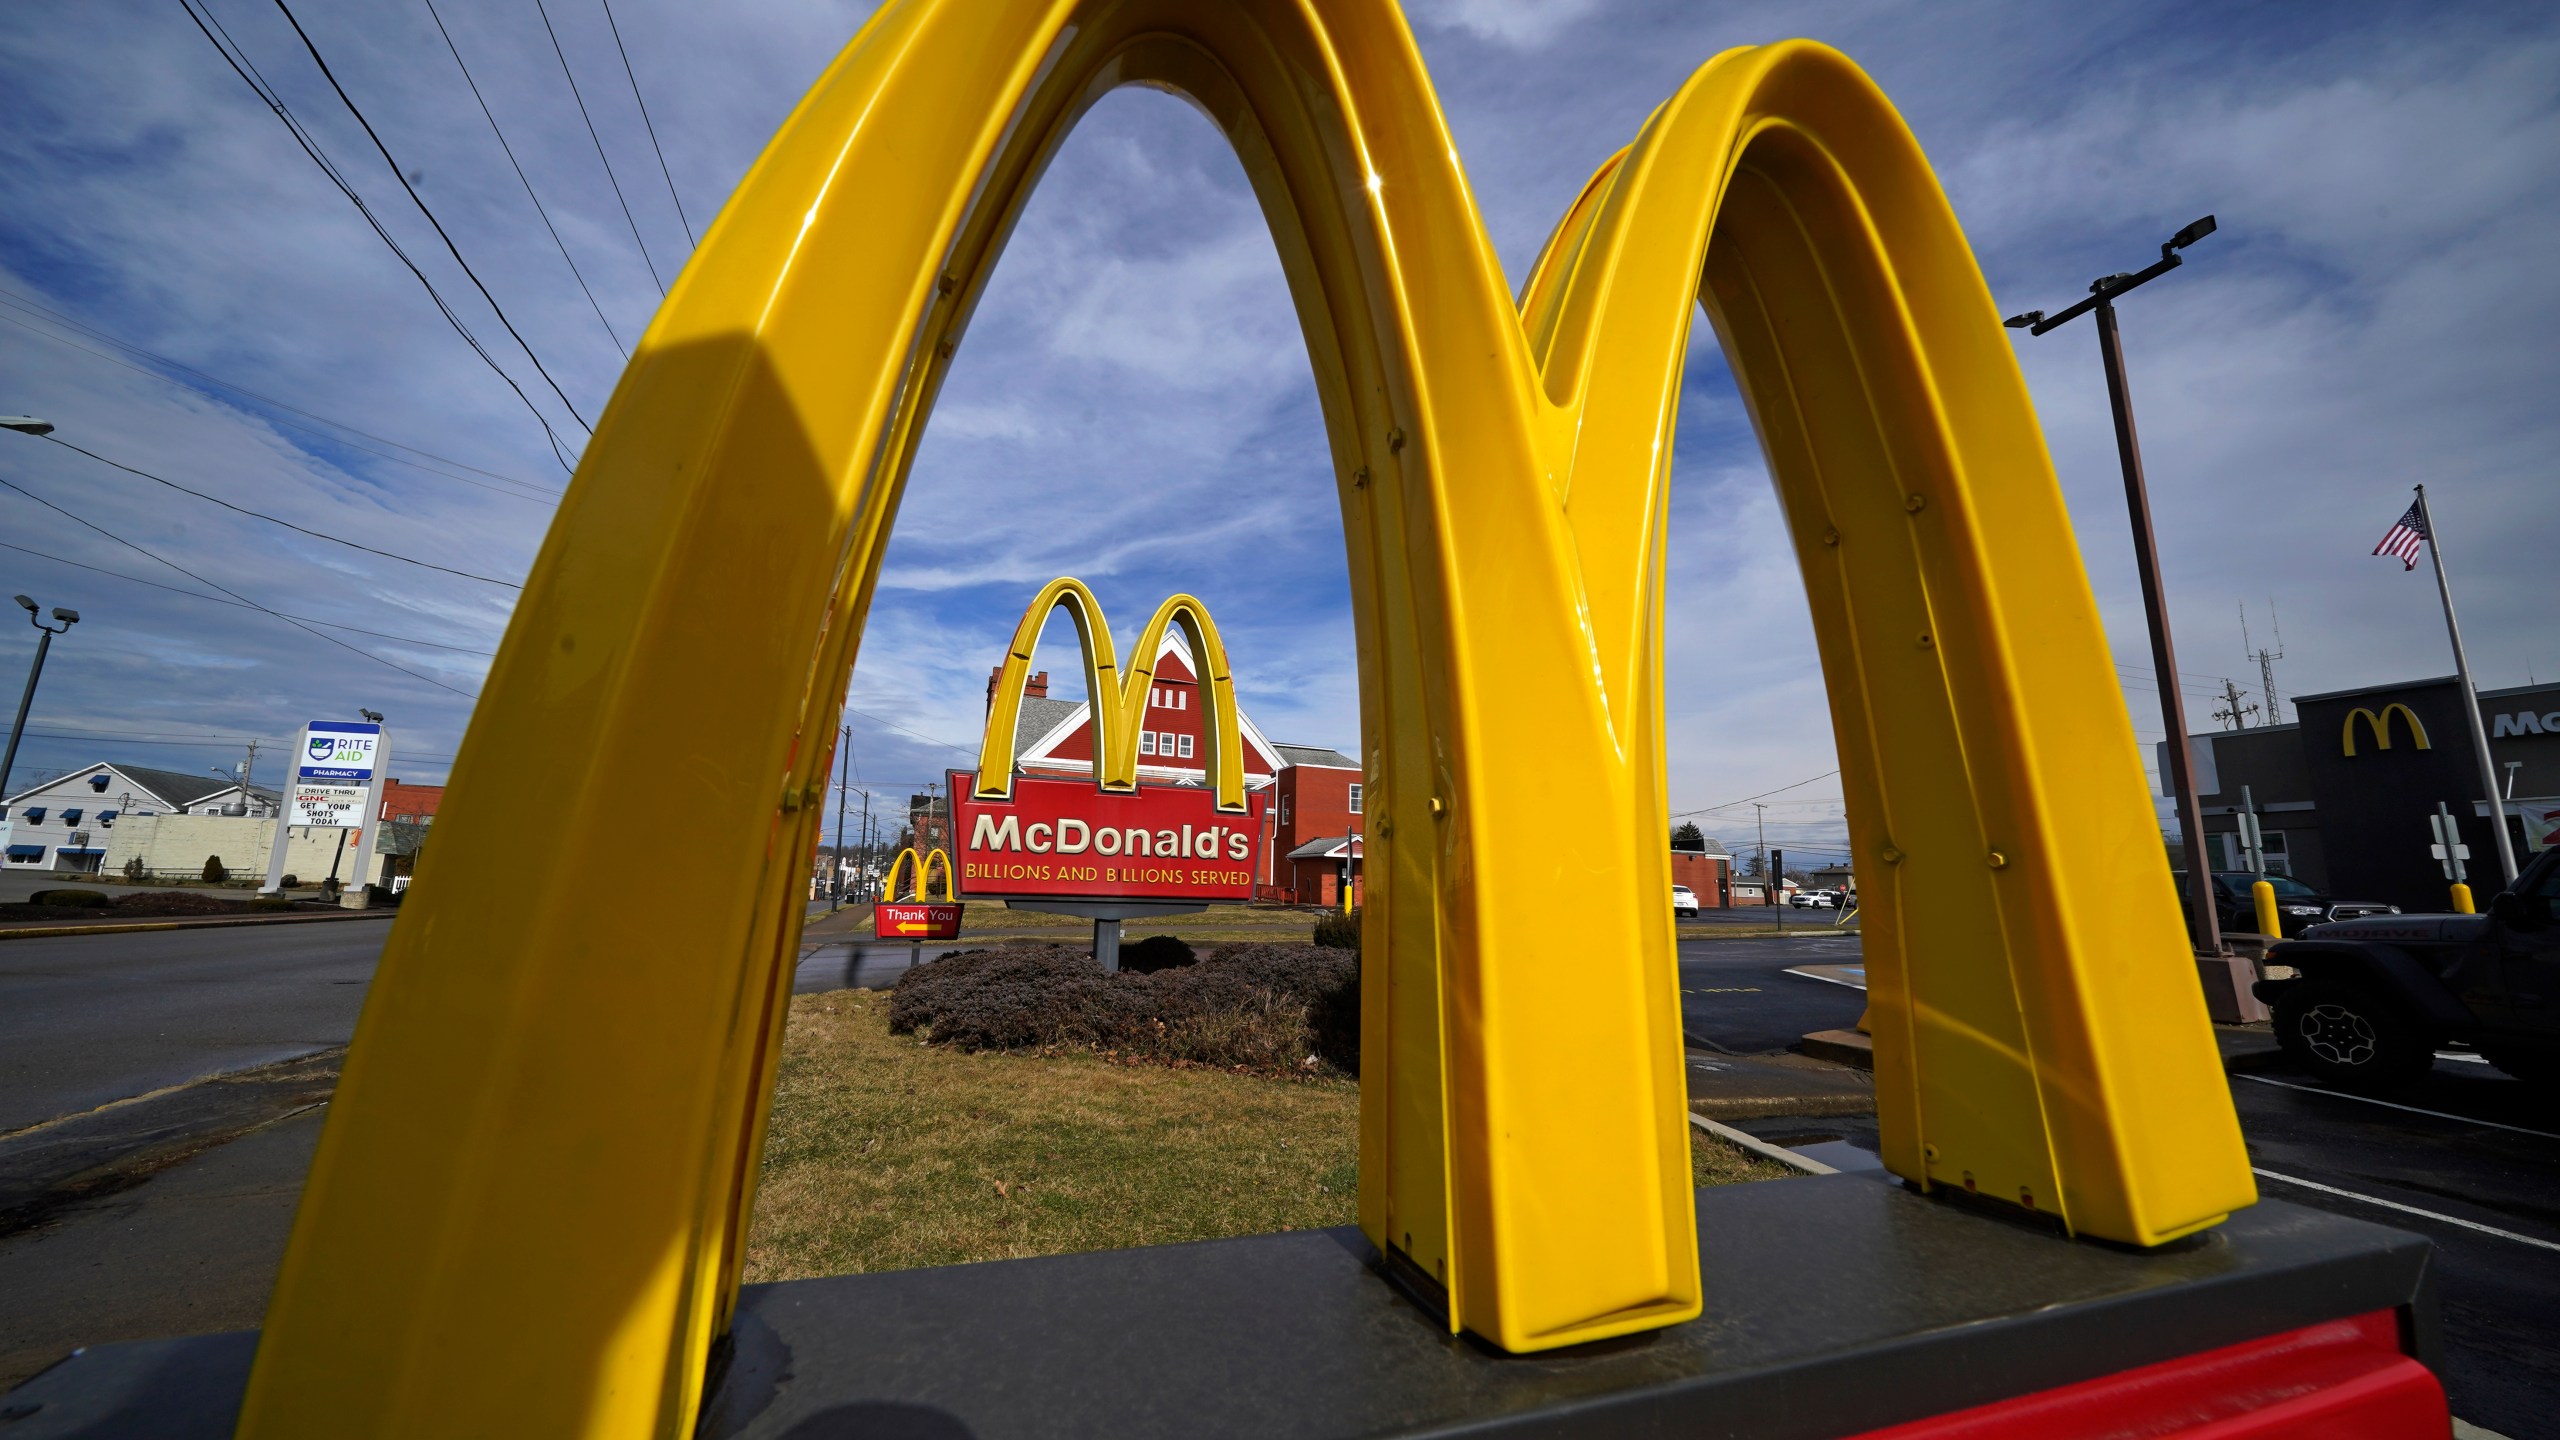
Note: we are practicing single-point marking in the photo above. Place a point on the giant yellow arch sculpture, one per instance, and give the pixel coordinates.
(527, 1211)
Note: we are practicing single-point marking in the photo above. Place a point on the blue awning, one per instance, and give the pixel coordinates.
(26, 852)
(107, 817)
(35, 814)
(70, 817)
(77, 854)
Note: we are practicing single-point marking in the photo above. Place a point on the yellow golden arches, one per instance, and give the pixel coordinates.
(924, 865)
(2379, 726)
(1119, 701)
(1501, 478)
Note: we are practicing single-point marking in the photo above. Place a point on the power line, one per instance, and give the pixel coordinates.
(243, 605)
(1747, 799)
(247, 70)
(450, 248)
(646, 123)
(610, 177)
(278, 520)
(234, 594)
(528, 184)
(15, 301)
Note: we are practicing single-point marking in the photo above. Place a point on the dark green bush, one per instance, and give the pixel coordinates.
(134, 870)
(1339, 932)
(214, 874)
(1156, 952)
(290, 881)
(71, 899)
(1262, 1007)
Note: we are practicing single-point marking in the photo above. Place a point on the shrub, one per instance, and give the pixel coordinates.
(1261, 1007)
(1156, 952)
(70, 899)
(290, 881)
(214, 874)
(135, 872)
(1339, 932)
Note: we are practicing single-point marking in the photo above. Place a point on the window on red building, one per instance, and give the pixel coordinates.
(1355, 799)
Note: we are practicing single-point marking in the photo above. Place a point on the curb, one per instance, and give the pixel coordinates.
(51, 932)
(1847, 1047)
(1754, 1145)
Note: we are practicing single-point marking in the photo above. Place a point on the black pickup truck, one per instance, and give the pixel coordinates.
(2367, 1002)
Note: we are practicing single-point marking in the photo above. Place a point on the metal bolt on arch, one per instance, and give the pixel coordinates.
(527, 1212)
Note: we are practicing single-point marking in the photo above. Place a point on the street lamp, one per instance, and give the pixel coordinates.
(26, 424)
(2204, 925)
(69, 618)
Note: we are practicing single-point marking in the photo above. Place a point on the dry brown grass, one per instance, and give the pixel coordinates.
(886, 1154)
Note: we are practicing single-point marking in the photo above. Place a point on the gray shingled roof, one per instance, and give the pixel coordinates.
(1038, 717)
(174, 788)
(1713, 847)
(1319, 847)
(1315, 755)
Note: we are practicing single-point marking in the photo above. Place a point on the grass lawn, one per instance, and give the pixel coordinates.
(885, 1153)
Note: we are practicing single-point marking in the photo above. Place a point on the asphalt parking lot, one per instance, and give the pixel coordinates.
(2470, 1159)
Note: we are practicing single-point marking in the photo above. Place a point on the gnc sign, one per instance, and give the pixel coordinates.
(1110, 840)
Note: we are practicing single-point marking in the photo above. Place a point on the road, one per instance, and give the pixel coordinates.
(88, 1019)
(1736, 997)
(2473, 1156)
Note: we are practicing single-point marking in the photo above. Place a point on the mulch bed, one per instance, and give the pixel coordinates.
(143, 905)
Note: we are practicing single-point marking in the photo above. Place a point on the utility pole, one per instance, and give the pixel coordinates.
(844, 769)
(2233, 714)
(1766, 889)
(2205, 927)
(35, 672)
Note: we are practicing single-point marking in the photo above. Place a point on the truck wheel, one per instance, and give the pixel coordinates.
(2350, 1037)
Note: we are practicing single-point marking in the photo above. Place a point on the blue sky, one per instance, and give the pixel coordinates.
(1133, 404)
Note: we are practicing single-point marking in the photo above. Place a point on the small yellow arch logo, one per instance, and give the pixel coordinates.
(2380, 728)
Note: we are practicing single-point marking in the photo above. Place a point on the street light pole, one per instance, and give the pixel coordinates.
(2204, 925)
(35, 672)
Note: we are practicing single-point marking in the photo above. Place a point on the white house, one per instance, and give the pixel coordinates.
(61, 825)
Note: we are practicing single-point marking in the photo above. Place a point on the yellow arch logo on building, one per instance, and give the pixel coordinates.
(1119, 701)
(924, 873)
(2379, 726)
(1502, 467)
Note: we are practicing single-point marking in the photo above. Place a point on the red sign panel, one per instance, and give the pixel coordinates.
(1065, 839)
(899, 920)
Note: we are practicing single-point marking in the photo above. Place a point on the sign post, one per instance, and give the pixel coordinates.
(336, 784)
(2450, 852)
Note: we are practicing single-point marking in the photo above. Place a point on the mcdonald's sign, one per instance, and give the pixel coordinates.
(920, 919)
(2040, 1039)
(2379, 727)
(1113, 839)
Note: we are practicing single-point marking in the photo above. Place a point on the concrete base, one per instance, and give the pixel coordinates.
(2226, 979)
(1836, 1305)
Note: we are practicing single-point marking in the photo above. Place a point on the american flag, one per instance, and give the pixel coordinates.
(2405, 536)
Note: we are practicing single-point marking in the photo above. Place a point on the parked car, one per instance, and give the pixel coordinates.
(2297, 904)
(1813, 900)
(1684, 903)
(2365, 1003)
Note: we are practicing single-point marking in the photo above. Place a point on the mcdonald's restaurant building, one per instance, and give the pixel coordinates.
(2344, 793)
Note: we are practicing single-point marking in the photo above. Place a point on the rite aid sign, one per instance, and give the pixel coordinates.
(338, 752)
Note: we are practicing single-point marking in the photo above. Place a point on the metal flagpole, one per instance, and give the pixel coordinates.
(2470, 699)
